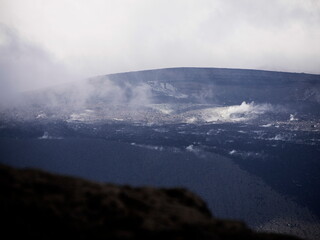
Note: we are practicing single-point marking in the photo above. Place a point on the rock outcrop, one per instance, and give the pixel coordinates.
(41, 205)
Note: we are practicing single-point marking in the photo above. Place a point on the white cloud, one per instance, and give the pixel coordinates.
(98, 37)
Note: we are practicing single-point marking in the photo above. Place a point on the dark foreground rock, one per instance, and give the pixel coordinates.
(45, 206)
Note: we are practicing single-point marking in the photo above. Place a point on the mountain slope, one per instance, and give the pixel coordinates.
(231, 86)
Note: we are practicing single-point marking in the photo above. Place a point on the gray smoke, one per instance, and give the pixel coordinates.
(25, 66)
(30, 75)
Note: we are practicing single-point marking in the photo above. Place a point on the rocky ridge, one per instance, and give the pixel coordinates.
(41, 205)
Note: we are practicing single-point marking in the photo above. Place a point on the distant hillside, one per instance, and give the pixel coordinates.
(115, 95)
(231, 86)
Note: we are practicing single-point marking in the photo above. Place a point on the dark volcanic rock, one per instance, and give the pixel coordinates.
(45, 206)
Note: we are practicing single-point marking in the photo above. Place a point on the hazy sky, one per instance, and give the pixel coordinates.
(93, 37)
